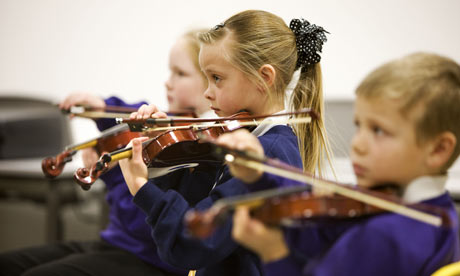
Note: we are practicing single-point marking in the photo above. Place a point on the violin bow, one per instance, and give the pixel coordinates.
(276, 167)
(142, 124)
(114, 112)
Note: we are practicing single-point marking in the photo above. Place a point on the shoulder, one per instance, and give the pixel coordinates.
(280, 142)
(387, 244)
(392, 236)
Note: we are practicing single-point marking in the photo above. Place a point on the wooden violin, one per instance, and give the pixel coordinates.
(179, 143)
(296, 205)
(143, 124)
(112, 139)
(175, 146)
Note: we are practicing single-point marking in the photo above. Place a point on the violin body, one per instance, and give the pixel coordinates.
(116, 141)
(180, 146)
(295, 209)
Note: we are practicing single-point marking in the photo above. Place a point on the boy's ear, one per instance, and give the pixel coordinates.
(268, 74)
(442, 148)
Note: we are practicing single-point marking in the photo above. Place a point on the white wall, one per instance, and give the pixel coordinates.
(49, 48)
(52, 47)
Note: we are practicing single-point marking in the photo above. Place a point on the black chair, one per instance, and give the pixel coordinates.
(31, 129)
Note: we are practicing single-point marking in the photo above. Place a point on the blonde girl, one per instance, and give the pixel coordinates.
(248, 60)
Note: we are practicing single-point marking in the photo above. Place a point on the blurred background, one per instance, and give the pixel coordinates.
(50, 48)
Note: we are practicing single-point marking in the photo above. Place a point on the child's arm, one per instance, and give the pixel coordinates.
(166, 209)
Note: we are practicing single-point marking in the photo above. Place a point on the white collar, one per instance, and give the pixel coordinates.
(263, 128)
(425, 187)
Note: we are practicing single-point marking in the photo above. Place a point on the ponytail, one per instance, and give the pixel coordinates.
(312, 137)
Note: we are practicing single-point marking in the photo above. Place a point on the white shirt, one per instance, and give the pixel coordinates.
(425, 187)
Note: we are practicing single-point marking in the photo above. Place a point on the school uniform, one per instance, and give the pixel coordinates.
(218, 254)
(385, 244)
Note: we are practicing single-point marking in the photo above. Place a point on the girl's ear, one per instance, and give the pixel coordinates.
(441, 150)
(268, 74)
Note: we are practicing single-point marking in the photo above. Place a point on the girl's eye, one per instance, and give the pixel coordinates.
(378, 131)
(180, 73)
(356, 123)
(216, 78)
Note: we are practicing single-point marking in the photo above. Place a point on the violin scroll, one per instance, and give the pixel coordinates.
(85, 178)
(53, 166)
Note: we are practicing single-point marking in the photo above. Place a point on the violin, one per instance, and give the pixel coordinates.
(296, 205)
(136, 125)
(178, 145)
(112, 139)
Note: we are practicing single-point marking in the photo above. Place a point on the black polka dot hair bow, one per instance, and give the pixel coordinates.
(309, 40)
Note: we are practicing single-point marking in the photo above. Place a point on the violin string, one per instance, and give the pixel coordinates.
(356, 195)
(249, 123)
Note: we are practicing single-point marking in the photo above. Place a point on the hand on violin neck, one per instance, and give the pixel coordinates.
(134, 169)
(244, 141)
(147, 111)
(267, 242)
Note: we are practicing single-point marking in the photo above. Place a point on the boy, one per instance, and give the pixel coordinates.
(408, 124)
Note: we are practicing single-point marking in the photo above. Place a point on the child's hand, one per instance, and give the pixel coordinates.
(147, 111)
(266, 242)
(82, 98)
(134, 169)
(244, 141)
(89, 157)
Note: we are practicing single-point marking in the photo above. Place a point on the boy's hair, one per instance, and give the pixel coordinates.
(422, 80)
(256, 38)
(193, 48)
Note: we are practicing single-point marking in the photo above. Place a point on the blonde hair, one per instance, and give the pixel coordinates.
(422, 80)
(258, 38)
(193, 48)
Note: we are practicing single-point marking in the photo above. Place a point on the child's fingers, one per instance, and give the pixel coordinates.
(240, 221)
(133, 115)
(245, 228)
(159, 114)
(137, 148)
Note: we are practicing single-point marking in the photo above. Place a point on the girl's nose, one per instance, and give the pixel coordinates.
(208, 94)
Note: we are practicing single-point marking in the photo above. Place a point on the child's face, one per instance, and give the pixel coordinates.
(229, 90)
(384, 147)
(185, 85)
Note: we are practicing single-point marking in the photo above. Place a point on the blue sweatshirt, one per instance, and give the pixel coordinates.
(127, 228)
(381, 245)
(218, 254)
